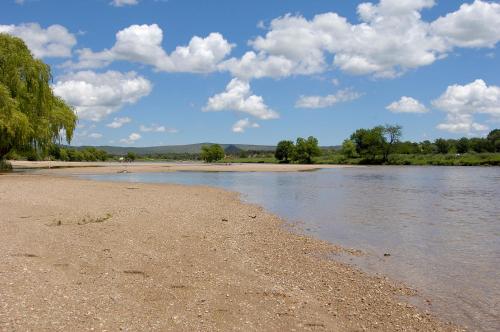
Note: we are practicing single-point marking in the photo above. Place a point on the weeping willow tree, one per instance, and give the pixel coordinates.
(31, 116)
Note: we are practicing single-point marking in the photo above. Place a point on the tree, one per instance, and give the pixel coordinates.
(426, 147)
(306, 150)
(442, 145)
(494, 139)
(31, 116)
(463, 145)
(392, 135)
(212, 153)
(130, 156)
(349, 149)
(369, 142)
(284, 151)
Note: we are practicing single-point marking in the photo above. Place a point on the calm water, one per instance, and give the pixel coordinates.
(441, 225)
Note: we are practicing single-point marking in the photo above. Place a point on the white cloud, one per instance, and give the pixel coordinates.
(157, 129)
(119, 122)
(95, 135)
(252, 65)
(131, 139)
(473, 25)
(241, 125)
(96, 95)
(326, 101)
(121, 3)
(54, 41)
(143, 44)
(238, 97)
(335, 81)
(407, 105)
(20, 2)
(390, 39)
(461, 102)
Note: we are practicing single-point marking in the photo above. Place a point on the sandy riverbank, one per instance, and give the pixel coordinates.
(143, 167)
(81, 255)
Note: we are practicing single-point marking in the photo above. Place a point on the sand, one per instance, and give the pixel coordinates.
(62, 167)
(80, 255)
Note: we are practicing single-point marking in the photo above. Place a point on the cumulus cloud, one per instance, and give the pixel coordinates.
(241, 125)
(390, 39)
(96, 95)
(157, 129)
(54, 41)
(121, 3)
(131, 139)
(238, 97)
(473, 25)
(143, 44)
(407, 105)
(326, 101)
(95, 135)
(462, 102)
(119, 122)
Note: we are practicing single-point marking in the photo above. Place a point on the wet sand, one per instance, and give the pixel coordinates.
(82, 255)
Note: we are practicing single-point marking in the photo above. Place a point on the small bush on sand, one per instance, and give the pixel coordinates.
(5, 165)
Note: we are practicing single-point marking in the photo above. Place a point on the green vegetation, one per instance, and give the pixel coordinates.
(303, 151)
(130, 157)
(212, 153)
(306, 150)
(382, 145)
(56, 152)
(285, 151)
(32, 118)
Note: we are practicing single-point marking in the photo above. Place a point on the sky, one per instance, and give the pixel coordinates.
(164, 72)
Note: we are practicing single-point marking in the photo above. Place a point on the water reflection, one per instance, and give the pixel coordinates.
(440, 224)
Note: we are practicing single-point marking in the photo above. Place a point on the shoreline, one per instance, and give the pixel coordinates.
(151, 167)
(176, 257)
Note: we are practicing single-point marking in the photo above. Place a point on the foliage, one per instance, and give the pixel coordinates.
(463, 145)
(285, 151)
(5, 165)
(370, 143)
(306, 150)
(392, 134)
(212, 153)
(130, 157)
(349, 149)
(442, 145)
(494, 140)
(31, 116)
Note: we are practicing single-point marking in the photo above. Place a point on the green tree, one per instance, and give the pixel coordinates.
(442, 145)
(130, 156)
(211, 153)
(349, 149)
(426, 147)
(306, 150)
(494, 139)
(369, 142)
(463, 145)
(284, 151)
(392, 135)
(31, 116)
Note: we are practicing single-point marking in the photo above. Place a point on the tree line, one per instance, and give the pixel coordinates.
(375, 145)
(380, 145)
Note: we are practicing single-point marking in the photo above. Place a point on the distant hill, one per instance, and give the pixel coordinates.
(188, 148)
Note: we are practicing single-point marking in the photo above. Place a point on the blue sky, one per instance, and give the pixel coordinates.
(146, 72)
